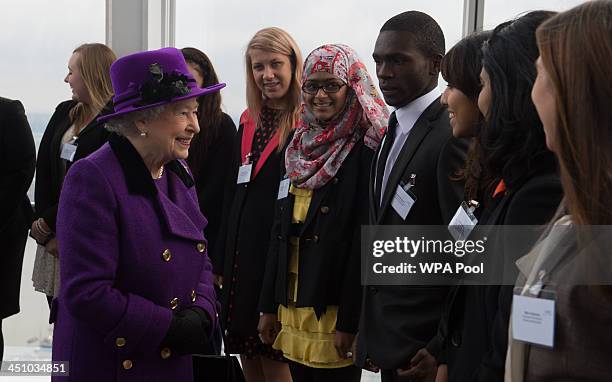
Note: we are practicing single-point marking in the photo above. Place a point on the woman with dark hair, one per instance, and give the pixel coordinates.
(460, 68)
(572, 262)
(210, 154)
(522, 188)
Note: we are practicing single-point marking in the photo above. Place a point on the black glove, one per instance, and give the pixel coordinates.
(189, 332)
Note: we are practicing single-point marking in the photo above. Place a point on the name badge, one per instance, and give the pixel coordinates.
(533, 320)
(68, 151)
(283, 189)
(244, 173)
(402, 202)
(464, 221)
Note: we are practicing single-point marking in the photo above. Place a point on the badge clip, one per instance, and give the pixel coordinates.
(247, 159)
(411, 183)
(472, 205)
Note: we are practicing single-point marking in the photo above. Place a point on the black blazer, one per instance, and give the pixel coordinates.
(244, 239)
(17, 162)
(329, 259)
(49, 168)
(475, 326)
(397, 321)
(210, 180)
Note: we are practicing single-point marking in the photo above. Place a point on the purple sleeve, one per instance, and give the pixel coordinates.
(88, 234)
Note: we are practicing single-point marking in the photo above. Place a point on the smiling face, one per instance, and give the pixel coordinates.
(75, 80)
(543, 97)
(462, 112)
(325, 106)
(272, 74)
(404, 72)
(169, 135)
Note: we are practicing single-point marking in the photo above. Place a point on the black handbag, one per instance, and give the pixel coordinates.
(217, 368)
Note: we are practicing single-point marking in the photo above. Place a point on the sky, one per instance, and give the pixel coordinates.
(37, 36)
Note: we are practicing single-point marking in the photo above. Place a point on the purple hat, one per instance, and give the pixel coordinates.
(148, 79)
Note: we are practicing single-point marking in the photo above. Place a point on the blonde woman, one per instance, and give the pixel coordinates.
(273, 71)
(72, 134)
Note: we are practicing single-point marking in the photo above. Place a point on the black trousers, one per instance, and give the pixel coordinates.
(303, 373)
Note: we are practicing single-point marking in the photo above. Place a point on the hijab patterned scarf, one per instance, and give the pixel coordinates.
(317, 150)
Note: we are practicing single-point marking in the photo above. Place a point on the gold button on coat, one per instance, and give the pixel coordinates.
(324, 210)
(193, 296)
(165, 353)
(166, 255)
(201, 247)
(127, 364)
(120, 342)
(174, 303)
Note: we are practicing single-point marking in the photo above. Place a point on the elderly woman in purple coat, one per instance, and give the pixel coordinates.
(137, 293)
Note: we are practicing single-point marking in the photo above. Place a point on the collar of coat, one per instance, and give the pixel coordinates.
(138, 177)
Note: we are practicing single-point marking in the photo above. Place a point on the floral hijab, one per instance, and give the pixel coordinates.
(317, 151)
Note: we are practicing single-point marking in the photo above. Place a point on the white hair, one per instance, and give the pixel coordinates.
(125, 124)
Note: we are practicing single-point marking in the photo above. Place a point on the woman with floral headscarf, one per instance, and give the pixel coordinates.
(310, 299)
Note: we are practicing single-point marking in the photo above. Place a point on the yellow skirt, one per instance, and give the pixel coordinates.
(309, 341)
(303, 338)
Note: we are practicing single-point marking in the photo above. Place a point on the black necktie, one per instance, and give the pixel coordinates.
(384, 153)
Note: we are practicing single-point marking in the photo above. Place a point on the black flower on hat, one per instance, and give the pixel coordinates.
(162, 86)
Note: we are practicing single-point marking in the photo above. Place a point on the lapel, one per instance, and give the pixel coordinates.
(417, 134)
(179, 210)
(248, 133)
(317, 197)
(373, 210)
(56, 142)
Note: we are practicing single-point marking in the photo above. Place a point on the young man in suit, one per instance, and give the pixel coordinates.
(17, 162)
(398, 323)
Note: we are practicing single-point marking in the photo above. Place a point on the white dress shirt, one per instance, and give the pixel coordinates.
(406, 118)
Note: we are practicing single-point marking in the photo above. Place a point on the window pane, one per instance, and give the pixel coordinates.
(38, 37)
(498, 11)
(205, 25)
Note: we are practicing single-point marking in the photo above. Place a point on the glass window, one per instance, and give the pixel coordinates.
(38, 37)
(222, 30)
(498, 11)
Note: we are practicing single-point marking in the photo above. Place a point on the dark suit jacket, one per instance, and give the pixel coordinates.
(242, 245)
(50, 168)
(329, 258)
(397, 321)
(17, 161)
(210, 179)
(476, 324)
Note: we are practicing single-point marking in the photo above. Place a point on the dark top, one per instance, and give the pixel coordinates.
(17, 161)
(210, 179)
(397, 321)
(244, 238)
(330, 246)
(51, 169)
(475, 326)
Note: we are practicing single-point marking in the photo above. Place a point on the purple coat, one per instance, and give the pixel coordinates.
(129, 255)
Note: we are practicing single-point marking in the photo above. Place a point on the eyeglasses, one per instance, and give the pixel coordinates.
(312, 87)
